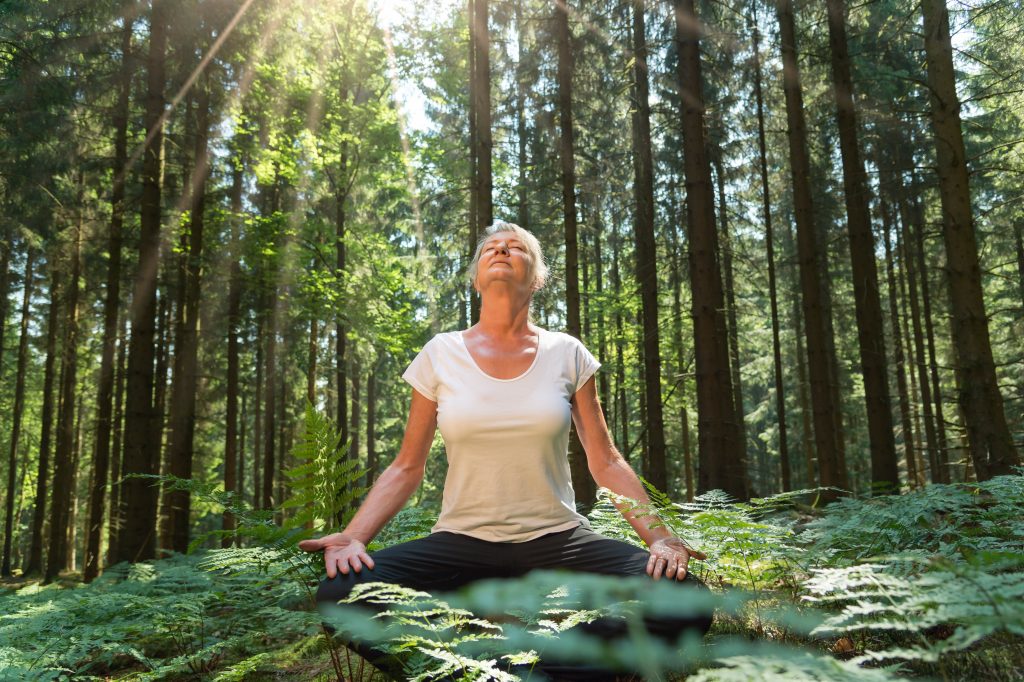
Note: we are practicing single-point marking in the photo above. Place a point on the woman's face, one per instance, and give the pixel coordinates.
(503, 258)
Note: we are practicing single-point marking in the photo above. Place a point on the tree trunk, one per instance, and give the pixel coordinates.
(35, 557)
(941, 452)
(824, 407)
(231, 448)
(988, 435)
(720, 449)
(725, 258)
(111, 304)
(482, 213)
(898, 356)
(19, 406)
(1018, 230)
(356, 417)
(583, 484)
(910, 268)
(183, 398)
(655, 468)
(769, 238)
(257, 399)
(371, 427)
(56, 558)
(137, 540)
(522, 186)
(870, 330)
(116, 512)
(807, 439)
(622, 404)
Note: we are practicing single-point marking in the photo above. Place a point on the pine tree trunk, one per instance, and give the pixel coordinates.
(622, 404)
(583, 484)
(898, 356)
(769, 238)
(870, 330)
(137, 540)
(35, 556)
(116, 511)
(941, 452)
(720, 449)
(111, 305)
(18, 409)
(1019, 234)
(371, 427)
(183, 398)
(988, 435)
(257, 399)
(910, 268)
(311, 351)
(56, 559)
(522, 186)
(231, 435)
(356, 416)
(725, 258)
(823, 403)
(480, 129)
(807, 439)
(655, 469)
(341, 332)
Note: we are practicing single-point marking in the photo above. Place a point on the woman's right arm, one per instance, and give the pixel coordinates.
(388, 495)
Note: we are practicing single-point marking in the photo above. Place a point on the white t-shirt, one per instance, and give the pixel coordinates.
(506, 439)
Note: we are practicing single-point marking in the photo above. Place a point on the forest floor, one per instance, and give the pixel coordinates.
(927, 585)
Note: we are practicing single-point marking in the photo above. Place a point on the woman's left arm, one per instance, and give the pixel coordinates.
(669, 555)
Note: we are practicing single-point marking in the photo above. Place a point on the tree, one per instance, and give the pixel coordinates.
(870, 334)
(137, 539)
(646, 257)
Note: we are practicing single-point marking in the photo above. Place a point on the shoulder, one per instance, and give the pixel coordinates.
(441, 342)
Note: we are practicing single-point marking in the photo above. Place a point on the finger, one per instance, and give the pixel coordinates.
(342, 566)
(311, 545)
(329, 567)
(681, 571)
(357, 565)
(659, 567)
(650, 565)
(367, 559)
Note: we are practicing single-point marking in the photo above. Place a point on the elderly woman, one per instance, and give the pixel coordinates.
(503, 393)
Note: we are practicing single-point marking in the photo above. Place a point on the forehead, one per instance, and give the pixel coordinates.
(503, 237)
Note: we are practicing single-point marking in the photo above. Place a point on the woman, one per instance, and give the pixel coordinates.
(502, 393)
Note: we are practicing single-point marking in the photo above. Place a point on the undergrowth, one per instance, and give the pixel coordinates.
(929, 584)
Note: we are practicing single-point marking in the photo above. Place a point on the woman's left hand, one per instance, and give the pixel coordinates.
(670, 557)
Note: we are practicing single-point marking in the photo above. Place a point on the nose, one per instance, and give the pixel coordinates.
(501, 247)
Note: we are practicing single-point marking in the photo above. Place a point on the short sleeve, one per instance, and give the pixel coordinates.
(584, 364)
(421, 375)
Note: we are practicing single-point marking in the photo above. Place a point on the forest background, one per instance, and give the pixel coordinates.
(792, 233)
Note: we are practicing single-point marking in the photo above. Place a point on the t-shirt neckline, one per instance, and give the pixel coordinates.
(472, 360)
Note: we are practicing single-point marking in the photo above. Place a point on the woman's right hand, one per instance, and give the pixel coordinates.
(341, 552)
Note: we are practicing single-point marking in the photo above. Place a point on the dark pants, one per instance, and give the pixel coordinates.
(444, 561)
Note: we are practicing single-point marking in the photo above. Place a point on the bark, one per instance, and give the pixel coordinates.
(311, 350)
(35, 557)
(898, 356)
(18, 409)
(356, 417)
(942, 453)
(371, 427)
(341, 332)
(719, 446)
(137, 538)
(807, 433)
(183, 398)
(725, 258)
(116, 513)
(681, 366)
(482, 213)
(988, 436)
(819, 359)
(257, 427)
(655, 468)
(231, 434)
(522, 186)
(270, 396)
(111, 305)
(769, 238)
(870, 330)
(603, 383)
(583, 484)
(1019, 237)
(622, 405)
(910, 268)
(56, 558)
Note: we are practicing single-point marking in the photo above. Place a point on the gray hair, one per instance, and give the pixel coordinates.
(538, 268)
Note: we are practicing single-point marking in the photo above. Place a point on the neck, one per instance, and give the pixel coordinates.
(504, 314)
